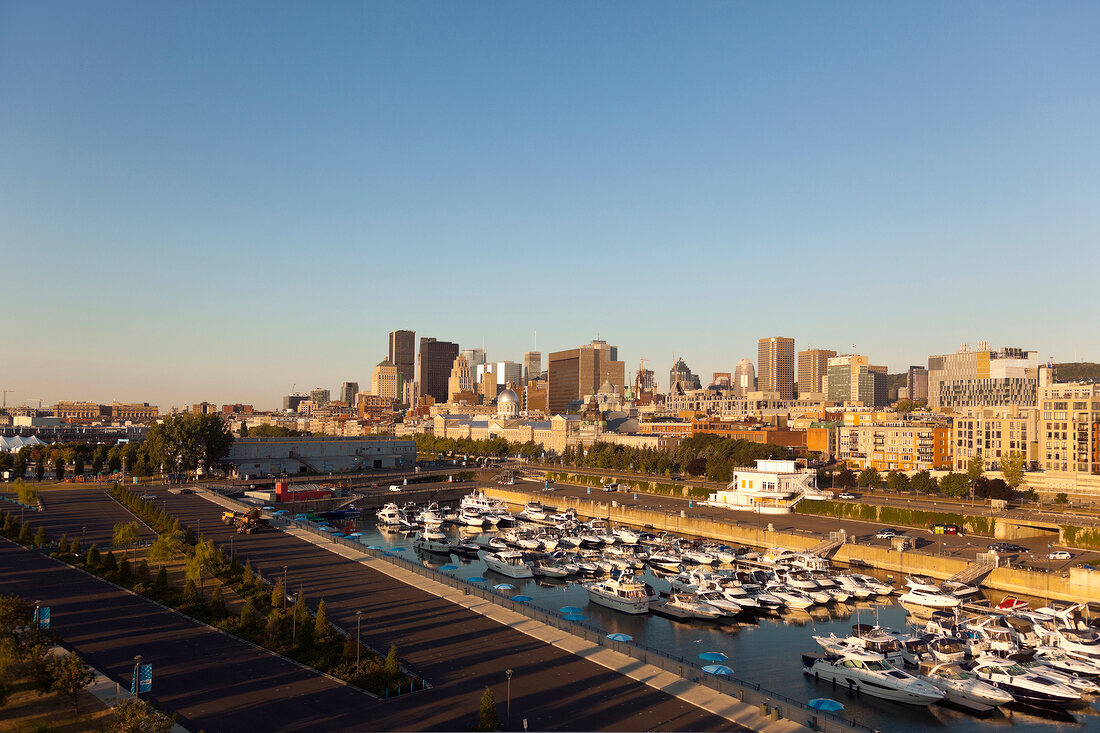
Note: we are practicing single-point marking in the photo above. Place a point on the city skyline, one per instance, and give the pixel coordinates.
(190, 192)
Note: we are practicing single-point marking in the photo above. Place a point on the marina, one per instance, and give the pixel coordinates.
(767, 640)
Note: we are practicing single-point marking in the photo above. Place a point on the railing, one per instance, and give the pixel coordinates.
(752, 693)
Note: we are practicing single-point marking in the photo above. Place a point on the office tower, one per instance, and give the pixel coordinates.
(292, 400)
(577, 372)
(680, 376)
(775, 355)
(812, 366)
(983, 377)
(853, 380)
(319, 396)
(386, 381)
(744, 377)
(916, 384)
(645, 380)
(474, 357)
(532, 365)
(402, 353)
(348, 391)
(461, 380)
(433, 368)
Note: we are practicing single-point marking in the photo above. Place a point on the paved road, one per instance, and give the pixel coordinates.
(215, 682)
(458, 651)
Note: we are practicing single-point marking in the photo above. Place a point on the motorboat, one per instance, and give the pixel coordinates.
(1011, 604)
(960, 590)
(700, 557)
(665, 560)
(466, 549)
(389, 515)
(929, 599)
(1027, 687)
(549, 570)
(625, 536)
(853, 586)
(964, 688)
(508, 563)
(870, 673)
(791, 597)
(717, 600)
(1063, 662)
(685, 606)
(1081, 683)
(430, 516)
(533, 510)
(432, 541)
(948, 649)
(471, 517)
(622, 593)
(988, 635)
(877, 586)
(1077, 643)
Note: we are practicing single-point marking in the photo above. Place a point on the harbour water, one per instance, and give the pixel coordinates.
(766, 651)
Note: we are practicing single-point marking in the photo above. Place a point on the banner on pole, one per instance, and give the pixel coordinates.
(44, 617)
(145, 681)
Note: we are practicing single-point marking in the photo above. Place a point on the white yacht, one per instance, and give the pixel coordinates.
(625, 536)
(471, 517)
(1027, 687)
(929, 599)
(686, 605)
(544, 569)
(430, 516)
(1060, 660)
(622, 593)
(791, 597)
(854, 587)
(389, 515)
(1077, 643)
(533, 510)
(508, 563)
(432, 541)
(717, 600)
(964, 688)
(871, 674)
(665, 560)
(877, 586)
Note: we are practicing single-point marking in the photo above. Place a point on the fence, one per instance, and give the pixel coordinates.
(748, 692)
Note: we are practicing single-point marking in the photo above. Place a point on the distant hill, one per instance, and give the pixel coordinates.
(1078, 371)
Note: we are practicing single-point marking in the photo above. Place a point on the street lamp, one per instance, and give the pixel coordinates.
(83, 537)
(284, 587)
(509, 708)
(137, 675)
(358, 619)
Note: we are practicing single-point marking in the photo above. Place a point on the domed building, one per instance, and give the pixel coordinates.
(508, 404)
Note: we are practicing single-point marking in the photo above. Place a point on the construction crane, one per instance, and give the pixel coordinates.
(6, 391)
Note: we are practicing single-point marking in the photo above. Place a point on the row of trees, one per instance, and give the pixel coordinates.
(972, 483)
(495, 447)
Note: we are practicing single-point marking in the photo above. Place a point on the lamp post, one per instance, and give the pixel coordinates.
(508, 714)
(37, 611)
(284, 587)
(83, 537)
(358, 620)
(137, 675)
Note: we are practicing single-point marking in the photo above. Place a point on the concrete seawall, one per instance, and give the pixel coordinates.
(1081, 583)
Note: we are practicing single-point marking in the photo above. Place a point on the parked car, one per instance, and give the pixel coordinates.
(395, 487)
(187, 491)
(150, 497)
(611, 487)
(847, 495)
(886, 533)
(1059, 555)
(945, 529)
(1007, 547)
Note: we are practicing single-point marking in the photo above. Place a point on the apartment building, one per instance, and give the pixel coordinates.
(995, 433)
(1069, 427)
(897, 446)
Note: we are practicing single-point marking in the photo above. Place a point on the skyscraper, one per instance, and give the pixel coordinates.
(474, 357)
(916, 381)
(386, 381)
(532, 365)
(853, 380)
(744, 377)
(348, 391)
(775, 355)
(319, 396)
(461, 379)
(402, 353)
(813, 364)
(578, 372)
(433, 368)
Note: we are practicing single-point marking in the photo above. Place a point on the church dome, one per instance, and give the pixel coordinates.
(507, 396)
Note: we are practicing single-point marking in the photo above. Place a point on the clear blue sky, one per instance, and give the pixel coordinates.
(214, 201)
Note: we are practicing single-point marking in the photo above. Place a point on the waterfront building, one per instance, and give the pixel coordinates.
(402, 353)
(907, 445)
(433, 368)
(853, 380)
(1069, 427)
(994, 433)
(775, 356)
(272, 456)
(744, 377)
(812, 367)
(983, 377)
(577, 372)
(771, 487)
(386, 381)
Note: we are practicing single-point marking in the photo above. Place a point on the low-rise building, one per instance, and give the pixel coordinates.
(771, 487)
(81, 410)
(268, 456)
(753, 431)
(135, 411)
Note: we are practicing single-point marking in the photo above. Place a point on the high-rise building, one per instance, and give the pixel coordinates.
(532, 365)
(402, 353)
(983, 378)
(812, 366)
(775, 355)
(744, 377)
(291, 401)
(852, 380)
(461, 380)
(578, 372)
(348, 390)
(681, 376)
(433, 368)
(319, 396)
(474, 357)
(386, 381)
(916, 384)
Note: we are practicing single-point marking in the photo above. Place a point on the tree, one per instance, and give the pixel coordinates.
(78, 466)
(955, 484)
(869, 477)
(134, 715)
(93, 556)
(1012, 468)
(349, 648)
(19, 465)
(906, 406)
(110, 563)
(897, 481)
(26, 493)
(24, 534)
(278, 594)
(248, 614)
(998, 489)
(923, 483)
(845, 478)
(40, 538)
(980, 487)
(191, 595)
(322, 629)
(161, 583)
(70, 675)
(248, 578)
(125, 535)
(143, 574)
(166, 546)
(202, 560)
(392, 666)
(974, 467)
(1030, 495)
(97, 466)
(1061, 498)
(189, 442)
(125, 573)
(39, 469)
(217, 602)
(63, 545)
(488, 719)
(59, 467)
